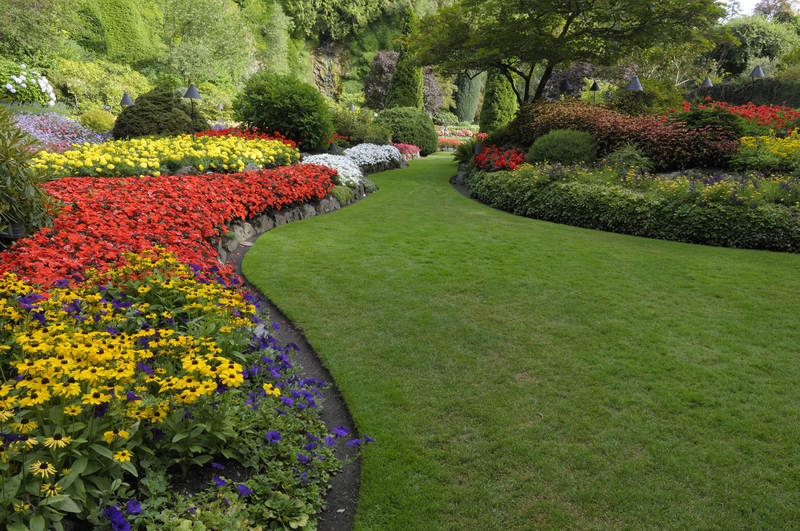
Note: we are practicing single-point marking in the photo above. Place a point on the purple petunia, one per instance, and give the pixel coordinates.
(243, 490)
(341, 431)
(355, 442)
(117, 517)
(217, 465)
(273, 437)
(133, 507)
(219, 481)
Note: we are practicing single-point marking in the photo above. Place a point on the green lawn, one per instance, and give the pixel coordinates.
(523, 375)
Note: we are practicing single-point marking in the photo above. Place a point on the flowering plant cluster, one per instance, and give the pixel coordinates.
(408, 151)
(148, 365)
(449, 143)
(149, 156)
(768, 153)
(447, 131)
(347, 171)
(369, 154)
(250, 133)
(56, 133)
(29, 87)
(496, 158)
(781, 119)
(102, 218)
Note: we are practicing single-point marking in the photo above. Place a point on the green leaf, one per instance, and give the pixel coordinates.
(127, 465)
(63, 503)
(102, 450)
(17, 527)
(9, 488)
(179, 436)
(37, 523)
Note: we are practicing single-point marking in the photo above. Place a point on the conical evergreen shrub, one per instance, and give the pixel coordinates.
(467, 96)
(158, 112)
(405, 88)
(499, 102)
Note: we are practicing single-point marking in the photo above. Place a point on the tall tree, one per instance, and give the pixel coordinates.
(405, 88)
(499, 102)
(517, 35)
(332, 19)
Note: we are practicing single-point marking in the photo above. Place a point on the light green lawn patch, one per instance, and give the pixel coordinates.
(519, 374)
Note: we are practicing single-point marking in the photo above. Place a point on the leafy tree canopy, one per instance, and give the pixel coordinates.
(33, 28)
(517, 35)
(332, 19)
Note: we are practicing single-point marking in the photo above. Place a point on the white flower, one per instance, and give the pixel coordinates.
(369, 154)
(9, 87)
(22, 66)
(23, 78)
(15, 79)
(23, 85)
(349, 173)
(52, 97)
(13, 90)
(51, 102)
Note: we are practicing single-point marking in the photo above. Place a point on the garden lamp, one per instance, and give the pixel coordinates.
(594, 88)
(219, 106)
(478, 147)
(126, 102)
(565, 86)
(352, 108)
(707, 83)
(333, 149)
(757, 72)
(634, 85)
(192, 94)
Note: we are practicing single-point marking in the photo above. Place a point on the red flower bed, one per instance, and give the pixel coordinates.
(499, 158)
(778, 117)
(248, 133)
(449, 143)
(103, 217)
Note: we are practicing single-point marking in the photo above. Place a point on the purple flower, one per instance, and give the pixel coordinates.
(117, 517)
(287, 401)
(273, 437)
(219, 481)
(303, 478)
(368, 439)
(341, 431)
(354, 442)
(243, 490)
(131, 397)
(312, 437)
(100, 410)
(217, 465)
(330, 442)
(310, 446)
(304, 460)
(133, 507)
(280, 412)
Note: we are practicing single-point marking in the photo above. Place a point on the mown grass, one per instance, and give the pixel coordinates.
(523, 375)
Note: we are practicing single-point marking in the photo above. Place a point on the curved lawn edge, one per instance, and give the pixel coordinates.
(519, 373)
(622, 211)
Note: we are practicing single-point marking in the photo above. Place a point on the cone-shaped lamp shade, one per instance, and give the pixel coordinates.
(352, 107)
(595, 87)
(634, 85)
(219, 106)
(565, 86)
(707, 83)
(126, 100)
(757, 72)
(333, 149)
(192, 93)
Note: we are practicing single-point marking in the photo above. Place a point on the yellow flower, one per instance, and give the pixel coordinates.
(57, 441)
(50, 490)
(21, 506)
(42, 468)
(73, 410)
(95, 398)
(123, 456)
(270, 390)
(111, 436)
(25, 426)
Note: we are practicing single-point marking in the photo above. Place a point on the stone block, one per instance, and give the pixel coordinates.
(308, 211)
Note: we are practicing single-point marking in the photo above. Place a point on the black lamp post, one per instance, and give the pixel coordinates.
(594, 88)
(192, 94)
(565, 86)
(126, 102)
(634, 85)
(352, 108)
(707, 83)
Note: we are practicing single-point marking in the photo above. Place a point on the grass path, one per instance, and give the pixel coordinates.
(524, 375)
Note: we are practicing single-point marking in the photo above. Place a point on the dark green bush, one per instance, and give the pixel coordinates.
(97, 120)
(446, 118)
(630, 156)
(467, 95)
(464, 152)
(624, 211)
(716, 119)
(358, 125)
(499, 102)
(410, 126)
(564, 146)
(158, 112)
(405, 87)
(283, 104)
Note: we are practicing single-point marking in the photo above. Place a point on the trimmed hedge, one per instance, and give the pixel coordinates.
(410, 126)
(620, 210)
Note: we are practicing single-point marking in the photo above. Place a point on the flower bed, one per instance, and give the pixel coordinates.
(347, 171)
(371, 154)
(449, 143)
(150, 366)
(494, 158)
(408, 151)
(148, 156)
(779, 118)
(56, 133)
(102, 218)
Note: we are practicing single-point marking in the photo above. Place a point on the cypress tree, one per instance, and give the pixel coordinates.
(405, 88)
(499, 102)
(467, 96)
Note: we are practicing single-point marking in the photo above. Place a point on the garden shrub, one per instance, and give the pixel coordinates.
(97, 120)
(343, 194)
(467, 95)
(534, 120)
(21, 84)
(158, 112)
(713, 118)
(284, 104)
(21, 199)
(564, 146)
(446, 118)
(630, 156)
(88, 85)
(406, 85)
(464, 153)
(357, 125)
(499, 102)
(410, 126)
(625, 211)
